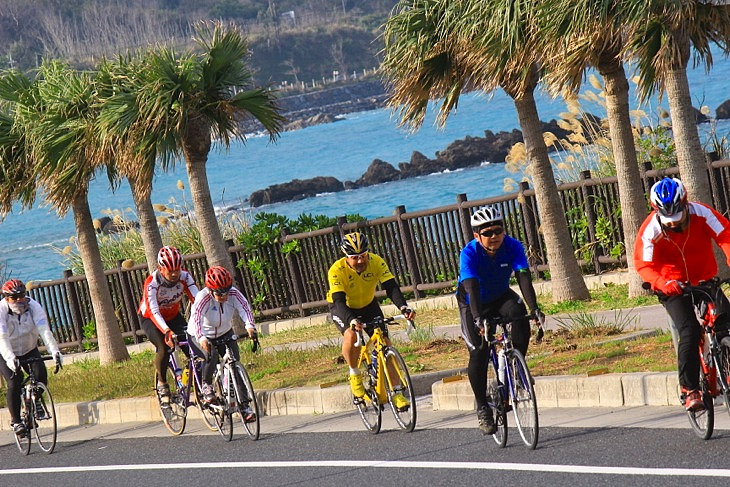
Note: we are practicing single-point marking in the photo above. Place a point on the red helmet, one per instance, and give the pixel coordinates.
(169, 258)
(218, 278)
(13, 287)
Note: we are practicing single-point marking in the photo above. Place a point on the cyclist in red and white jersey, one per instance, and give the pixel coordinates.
(159, 309)
(211, 317)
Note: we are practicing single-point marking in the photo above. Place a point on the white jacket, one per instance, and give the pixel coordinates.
(19, 333)
(211, 319)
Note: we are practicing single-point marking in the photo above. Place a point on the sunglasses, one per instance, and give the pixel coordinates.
(221, 292)
(358, 256)
(15, 297)
(492, 233)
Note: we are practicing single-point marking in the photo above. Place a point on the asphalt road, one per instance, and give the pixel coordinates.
(578, 447)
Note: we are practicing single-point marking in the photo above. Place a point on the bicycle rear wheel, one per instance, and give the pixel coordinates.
(246, 397)
(44, 426)
(495, 401)
(174, 413)
(23, 441)
(523, 399)
(723, 372)
(398, 381)
(221, 410)
(703, 420)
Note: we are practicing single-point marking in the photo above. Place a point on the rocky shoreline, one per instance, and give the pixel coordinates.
(329, 105)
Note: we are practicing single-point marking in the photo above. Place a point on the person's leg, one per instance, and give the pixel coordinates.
(681, 310)
(477, 368)
(511, 307)
(12, 394)
(178, 325)
(162, 352)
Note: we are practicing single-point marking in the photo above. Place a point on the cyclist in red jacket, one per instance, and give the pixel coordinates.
(159, 309)
(674, 246)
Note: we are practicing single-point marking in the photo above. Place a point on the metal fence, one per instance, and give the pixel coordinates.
(421, 247)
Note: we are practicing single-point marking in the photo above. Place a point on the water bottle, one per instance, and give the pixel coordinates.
(502, 365)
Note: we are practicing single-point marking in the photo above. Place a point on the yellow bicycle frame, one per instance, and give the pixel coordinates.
(377, 342)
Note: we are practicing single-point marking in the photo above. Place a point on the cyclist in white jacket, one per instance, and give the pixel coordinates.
(211, 317)
(22, 321)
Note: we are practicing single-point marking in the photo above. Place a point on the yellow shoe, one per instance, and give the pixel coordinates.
(400, 402)
(356, 385)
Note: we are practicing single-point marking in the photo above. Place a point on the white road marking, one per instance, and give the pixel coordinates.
(521, 467)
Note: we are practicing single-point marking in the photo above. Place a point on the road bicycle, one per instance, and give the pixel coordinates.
(707, 298)
(234, 393)
(37, 410)
(185, 390)
(509, 380)
(384, 374)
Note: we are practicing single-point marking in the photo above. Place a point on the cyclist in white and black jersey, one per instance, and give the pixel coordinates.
(159, 309)
(211, 317)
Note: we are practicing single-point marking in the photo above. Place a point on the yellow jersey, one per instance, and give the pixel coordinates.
(359, 288)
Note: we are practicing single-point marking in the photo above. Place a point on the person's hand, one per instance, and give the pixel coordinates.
(12, 364)
(254, 340)
(408, 313)
(356, 325)
(205, 345)
(59, 361)
(539, 321)
(673, 288)
(481, 324)
(169, 338)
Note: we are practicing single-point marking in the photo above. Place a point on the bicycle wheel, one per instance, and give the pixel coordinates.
(524, 402)
(723, 372)
(23, 441)
(398, 381)
(495, 401)
(174, 413)
(703, 420)
(205, 412)
(246, 397)
(44, 413)
(221, 410)
(370, 411)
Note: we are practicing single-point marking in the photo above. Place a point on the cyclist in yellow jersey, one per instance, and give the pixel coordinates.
(352, 282)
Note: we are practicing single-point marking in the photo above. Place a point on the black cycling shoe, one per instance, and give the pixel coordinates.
(486, 421)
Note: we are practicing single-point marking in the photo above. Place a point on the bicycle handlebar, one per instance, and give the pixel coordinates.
(410, 326)
(44, 358)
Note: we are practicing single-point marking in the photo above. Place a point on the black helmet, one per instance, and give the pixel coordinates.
(354, 243)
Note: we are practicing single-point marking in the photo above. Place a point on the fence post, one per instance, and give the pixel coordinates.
(73, 301)
(410, 250)
(529, 222)
(237, 277)
(464, 217)
(341, 221)
(590, 218)
(648, 181)
(292, 262)
(719, 198)
(129, 304)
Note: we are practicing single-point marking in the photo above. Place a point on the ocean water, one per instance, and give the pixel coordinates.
(342, 149)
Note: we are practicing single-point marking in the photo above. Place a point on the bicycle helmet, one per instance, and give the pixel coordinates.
(218, 278)
(14, 287)
(668, 198)
(169, 258)
(354, 243)
(486, 216)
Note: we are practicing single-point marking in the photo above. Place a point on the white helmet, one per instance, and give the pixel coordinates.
(488, 215)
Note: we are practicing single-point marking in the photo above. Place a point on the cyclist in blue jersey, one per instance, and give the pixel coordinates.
(486, 264)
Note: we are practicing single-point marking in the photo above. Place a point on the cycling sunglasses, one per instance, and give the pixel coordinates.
(221, 292)
(492, 233)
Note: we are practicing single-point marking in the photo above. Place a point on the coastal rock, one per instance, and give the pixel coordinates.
(296, 189)
(378, 172)
(723, 111)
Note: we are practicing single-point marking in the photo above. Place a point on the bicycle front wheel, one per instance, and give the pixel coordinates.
(703, 420)
(723, 375)
(523, 399)
(173, 411)
(221, 410)
(246, 398)
(496, 402)
(23, 441)
(399, 389)
(44, 414)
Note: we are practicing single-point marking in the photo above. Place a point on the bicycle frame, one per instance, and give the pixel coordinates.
(376, 343)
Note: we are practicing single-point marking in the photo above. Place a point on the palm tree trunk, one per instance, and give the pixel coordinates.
(196, 146)
(566, 279)
(111, 344)
(631, 192)
(149, 230)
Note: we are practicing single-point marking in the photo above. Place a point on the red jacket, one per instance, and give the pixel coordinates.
(662, 255)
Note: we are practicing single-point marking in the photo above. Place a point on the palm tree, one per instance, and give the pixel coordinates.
(586, 33)
(663, 35)
(184, 102)
(439, 48)
(54, 116)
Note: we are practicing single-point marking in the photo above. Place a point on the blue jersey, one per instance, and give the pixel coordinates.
(493, 273)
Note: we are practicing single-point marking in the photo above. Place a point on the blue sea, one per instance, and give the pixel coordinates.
(342, 149)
